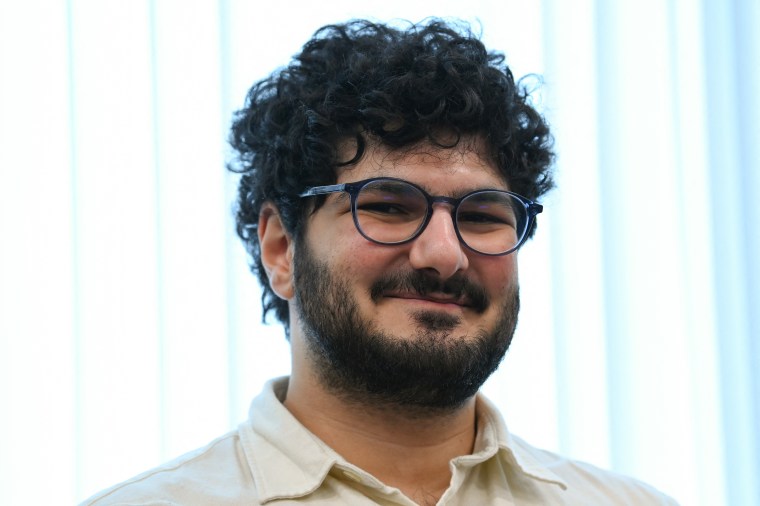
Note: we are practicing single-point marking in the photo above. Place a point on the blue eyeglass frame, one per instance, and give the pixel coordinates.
(531, 209)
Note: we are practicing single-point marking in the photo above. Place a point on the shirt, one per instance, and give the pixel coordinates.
(271, 459)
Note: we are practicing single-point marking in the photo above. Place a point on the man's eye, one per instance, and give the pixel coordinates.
(383, 208)
(484, 218)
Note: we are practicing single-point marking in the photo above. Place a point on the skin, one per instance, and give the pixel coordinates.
(404, 451)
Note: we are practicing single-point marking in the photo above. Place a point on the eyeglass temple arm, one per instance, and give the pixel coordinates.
(534, 209)
(322, 190)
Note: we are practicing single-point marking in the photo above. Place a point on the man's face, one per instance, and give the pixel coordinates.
(421, 324)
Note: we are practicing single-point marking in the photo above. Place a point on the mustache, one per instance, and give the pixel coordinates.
(424, 283)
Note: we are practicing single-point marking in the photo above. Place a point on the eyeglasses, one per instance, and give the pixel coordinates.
(393, 211)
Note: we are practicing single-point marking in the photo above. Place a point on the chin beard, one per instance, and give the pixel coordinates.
(433, 371)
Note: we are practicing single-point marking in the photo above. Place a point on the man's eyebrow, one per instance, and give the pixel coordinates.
(463, 192)
(460, 192)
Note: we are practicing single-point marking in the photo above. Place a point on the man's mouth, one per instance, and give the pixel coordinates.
(438, 298)
(418, 286)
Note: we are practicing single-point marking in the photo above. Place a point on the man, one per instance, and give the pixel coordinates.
(388, 178)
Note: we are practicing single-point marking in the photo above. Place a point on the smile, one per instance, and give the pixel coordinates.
(438, 299)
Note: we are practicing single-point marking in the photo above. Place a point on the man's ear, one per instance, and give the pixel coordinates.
(276, 251)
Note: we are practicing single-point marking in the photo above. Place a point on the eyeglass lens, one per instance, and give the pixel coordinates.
(391, 212)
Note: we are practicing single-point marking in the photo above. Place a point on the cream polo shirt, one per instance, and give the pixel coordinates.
(272, 459)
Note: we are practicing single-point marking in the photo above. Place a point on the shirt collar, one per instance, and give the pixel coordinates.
(288, 461)
(494, 437)
(285, 458)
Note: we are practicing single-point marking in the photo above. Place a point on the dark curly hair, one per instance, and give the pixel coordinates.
(362, 81)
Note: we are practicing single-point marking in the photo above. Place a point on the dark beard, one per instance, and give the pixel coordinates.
(431, 372)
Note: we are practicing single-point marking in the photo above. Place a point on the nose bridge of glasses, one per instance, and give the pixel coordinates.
(448, 202)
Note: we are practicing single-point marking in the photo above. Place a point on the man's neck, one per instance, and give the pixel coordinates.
(411, 453)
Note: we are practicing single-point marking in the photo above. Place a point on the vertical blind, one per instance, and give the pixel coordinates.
(130, 326)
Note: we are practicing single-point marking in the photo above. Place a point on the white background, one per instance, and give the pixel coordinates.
(129, 324)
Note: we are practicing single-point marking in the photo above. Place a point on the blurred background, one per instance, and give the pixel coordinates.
(130, 327)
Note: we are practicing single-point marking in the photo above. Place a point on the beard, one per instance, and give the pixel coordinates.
(432, 371)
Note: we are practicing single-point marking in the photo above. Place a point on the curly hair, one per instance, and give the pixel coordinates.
(363, 81)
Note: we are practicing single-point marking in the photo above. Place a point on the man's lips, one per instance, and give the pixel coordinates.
(420, 288)
(438, 298)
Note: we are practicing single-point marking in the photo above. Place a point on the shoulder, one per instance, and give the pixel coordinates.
(214, 474)
(589, 484)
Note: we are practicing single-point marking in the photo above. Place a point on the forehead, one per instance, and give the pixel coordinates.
(438, 170)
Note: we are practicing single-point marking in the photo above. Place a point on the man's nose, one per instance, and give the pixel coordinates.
(438, 247)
